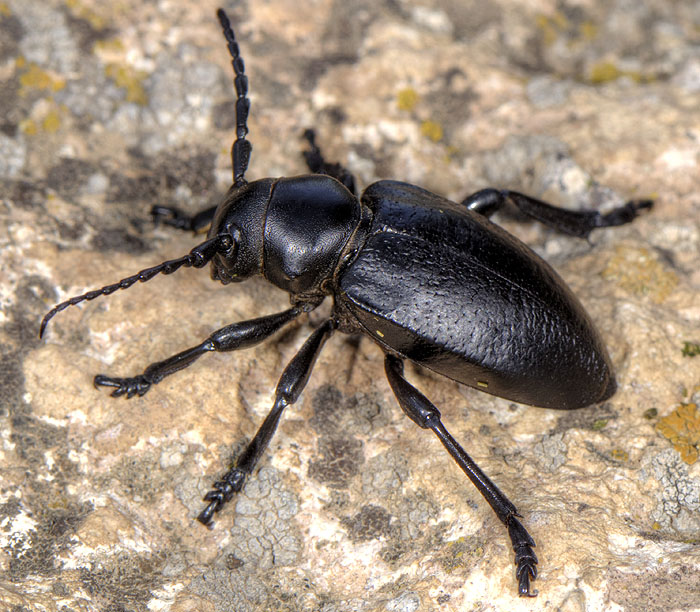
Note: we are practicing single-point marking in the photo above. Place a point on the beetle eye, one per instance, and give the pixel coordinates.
(234, 232)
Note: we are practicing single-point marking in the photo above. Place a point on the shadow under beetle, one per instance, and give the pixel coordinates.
(427, 279)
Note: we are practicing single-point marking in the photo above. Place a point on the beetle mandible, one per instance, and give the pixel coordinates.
(429, 280)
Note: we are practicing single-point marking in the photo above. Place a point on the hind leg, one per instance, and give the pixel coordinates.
(424, 414)
(574, 222)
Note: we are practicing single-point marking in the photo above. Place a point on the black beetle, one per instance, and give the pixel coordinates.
(427, 279)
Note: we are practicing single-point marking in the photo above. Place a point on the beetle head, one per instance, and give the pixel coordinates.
(242, 216)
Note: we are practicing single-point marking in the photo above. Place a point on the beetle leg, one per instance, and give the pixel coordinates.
(485, 202)
(174, 217)
(318, 165)
(578, 223)
(422, 412)
(230, 338)
(289, 387)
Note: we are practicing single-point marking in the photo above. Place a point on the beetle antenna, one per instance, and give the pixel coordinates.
(198, 257)
(241, 148)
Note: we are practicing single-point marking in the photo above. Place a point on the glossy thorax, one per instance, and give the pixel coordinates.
(293, 231)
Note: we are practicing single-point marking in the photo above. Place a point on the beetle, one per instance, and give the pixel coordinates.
(429, 280)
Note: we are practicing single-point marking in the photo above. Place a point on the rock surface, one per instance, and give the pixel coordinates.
(111, 108)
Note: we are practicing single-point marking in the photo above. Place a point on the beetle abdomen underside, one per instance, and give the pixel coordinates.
(449, 290)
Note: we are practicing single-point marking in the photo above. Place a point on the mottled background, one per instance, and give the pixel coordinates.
(109, 108)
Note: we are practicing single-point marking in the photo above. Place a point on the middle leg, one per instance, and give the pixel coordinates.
(290, 386)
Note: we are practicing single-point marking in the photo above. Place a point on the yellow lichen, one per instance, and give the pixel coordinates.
(589, 30)
(690, 349)
(682, 428)
(29, 127)
(605, 72)
(129, 80)
(551, 26)
(111, 45)
(639, 271)
(34, 78)
(83, 12)
(619, 454)
(431, 130)
(407, 99)
(52, 121)
(46, 119)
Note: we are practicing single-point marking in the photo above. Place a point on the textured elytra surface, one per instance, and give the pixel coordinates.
(108, 110)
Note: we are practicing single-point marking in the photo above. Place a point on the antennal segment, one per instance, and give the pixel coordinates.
(198, 257)
(241, 148)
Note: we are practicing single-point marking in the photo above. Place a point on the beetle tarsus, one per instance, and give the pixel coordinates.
(169, 215)
(525, 558)
(624, 214)
(135, 385)
(223, 490)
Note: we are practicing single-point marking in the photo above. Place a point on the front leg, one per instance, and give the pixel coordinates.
(230, 338)
(422, 412)
(174, 217)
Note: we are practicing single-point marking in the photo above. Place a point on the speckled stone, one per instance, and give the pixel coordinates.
(109, 108)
